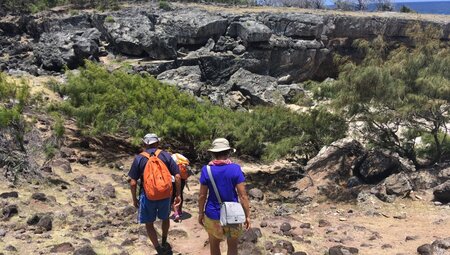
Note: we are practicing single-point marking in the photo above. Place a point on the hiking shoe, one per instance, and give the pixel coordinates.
(176, 217)
(160, 250)
(167, 248)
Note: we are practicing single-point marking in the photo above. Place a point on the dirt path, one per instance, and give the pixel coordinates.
(372, 229)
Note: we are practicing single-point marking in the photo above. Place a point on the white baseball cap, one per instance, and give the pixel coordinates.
(150, 139)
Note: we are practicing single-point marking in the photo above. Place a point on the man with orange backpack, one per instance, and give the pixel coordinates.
(155, 169)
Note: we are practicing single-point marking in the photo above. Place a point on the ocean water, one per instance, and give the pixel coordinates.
(424, 7)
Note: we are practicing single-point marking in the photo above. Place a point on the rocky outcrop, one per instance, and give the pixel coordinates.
(271, 48)
(376, 166)
(67, 48)
(259, 88)
(440, 246)
(442, 192)
(345, 169)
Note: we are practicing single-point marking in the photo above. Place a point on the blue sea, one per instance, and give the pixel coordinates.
(423, 7)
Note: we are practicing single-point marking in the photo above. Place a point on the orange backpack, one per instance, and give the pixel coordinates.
(183, 171)
(157, 179)
(182, 163)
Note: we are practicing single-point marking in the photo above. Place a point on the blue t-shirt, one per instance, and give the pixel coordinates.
(138, 166)
(226, 178)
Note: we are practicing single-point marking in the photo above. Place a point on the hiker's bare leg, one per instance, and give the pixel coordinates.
(151, 232)
(232, 246)
(165, 229)
(214, 245)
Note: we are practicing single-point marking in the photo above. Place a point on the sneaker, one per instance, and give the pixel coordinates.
(176, 216)
(167, 248)
(160, 250)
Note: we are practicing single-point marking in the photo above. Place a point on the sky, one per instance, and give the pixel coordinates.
(401, 1)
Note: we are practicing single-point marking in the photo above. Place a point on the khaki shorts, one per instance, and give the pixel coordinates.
(214, 228)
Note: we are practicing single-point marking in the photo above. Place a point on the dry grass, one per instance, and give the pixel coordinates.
(261, 9)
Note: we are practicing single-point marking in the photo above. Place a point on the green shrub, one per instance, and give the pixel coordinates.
(109, 19)
(50, 150)
(401, 94)
(13, 98)
(58, 126)
(118, 102)
(428, 149)
(406, 9)
(165, 5)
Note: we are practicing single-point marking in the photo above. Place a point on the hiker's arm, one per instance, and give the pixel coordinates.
(201, 203)
(177, 201)
(243, 198)
(133, 186)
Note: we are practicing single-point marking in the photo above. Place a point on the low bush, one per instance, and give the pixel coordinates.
(13, 98)
(165, 5)
(118, 102)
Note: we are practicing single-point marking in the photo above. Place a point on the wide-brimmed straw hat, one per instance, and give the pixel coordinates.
(220, 144)
(150, 139)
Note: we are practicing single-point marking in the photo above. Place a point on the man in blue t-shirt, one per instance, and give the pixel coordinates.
(149, 209)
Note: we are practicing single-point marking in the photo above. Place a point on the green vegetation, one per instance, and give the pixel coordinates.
(14, 96)
(399, 95)
(29, 5)
(118, 102)
(109, 19)
(20, 6)
(406, 9)
(164, 5)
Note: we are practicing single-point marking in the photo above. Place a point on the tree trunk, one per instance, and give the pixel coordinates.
(438, 155)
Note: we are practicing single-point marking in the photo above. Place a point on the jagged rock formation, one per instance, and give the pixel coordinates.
(273, 48)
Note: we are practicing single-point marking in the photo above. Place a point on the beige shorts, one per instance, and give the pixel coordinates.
(214, 228)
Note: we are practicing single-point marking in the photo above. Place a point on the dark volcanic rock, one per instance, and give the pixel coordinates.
(109, 191)
(39, 196)
(376, 166)
(425, 249)
(261, 89)
(256, 194)
(46, 222)
(251, 235)
(440, 246)
(442, 192)
(62, 248)
(398, 184)
(250, 31)
(12, 194)
(9, 211)
(85, 250)
(67, 48)
(342, 250)
(285, 227)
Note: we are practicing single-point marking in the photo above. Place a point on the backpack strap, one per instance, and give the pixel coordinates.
(145, 154)
(208, 168)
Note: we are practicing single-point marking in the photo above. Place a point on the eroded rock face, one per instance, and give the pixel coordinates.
(261, 89)
(376, 166)
(71, 48)
(272, 48)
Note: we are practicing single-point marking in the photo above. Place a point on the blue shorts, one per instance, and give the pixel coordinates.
(149, 209)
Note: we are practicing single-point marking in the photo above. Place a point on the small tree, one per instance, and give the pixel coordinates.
(400, 96)
(406, 9)
(345, 5)
(384, 5)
